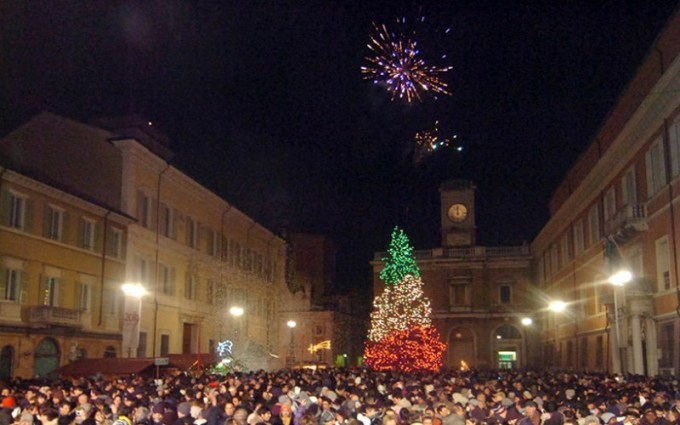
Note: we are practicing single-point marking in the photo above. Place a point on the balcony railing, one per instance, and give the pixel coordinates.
(48, 316)
(627, 222)
(468, 252)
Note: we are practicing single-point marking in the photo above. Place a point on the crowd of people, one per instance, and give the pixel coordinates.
(345, 397)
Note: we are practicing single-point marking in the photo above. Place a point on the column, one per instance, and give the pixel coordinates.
(652, 352)
(638, 365)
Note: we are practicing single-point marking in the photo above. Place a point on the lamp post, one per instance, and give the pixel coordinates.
(291, 348)
(617, 280)
(557, 306)
(132, 312)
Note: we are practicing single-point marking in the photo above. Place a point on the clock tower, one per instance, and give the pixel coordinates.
(458, 213)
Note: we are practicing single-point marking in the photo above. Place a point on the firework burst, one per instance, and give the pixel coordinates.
(397, 64)
(428, 142)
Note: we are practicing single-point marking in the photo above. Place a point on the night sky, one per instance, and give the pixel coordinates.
(265, 103)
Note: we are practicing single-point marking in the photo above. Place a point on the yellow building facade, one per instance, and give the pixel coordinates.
(60, 259)
(195, 254)
(617, 208)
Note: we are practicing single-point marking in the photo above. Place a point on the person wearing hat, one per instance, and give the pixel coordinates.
(8, 405)
(184, 414)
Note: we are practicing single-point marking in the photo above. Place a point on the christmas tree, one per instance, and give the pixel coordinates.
(401, 336)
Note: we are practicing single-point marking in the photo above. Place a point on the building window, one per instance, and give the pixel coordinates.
(165, 345)
(54, 223)
(190, 287)
(191, 232)
(504, 294)
(210, 291)
(12, 285)
(609, 204)
(167, 279)
(49, 291)
(654, 160)
(143, 271)
(674, 143)
(116, 243)
(579, 244)
(111, 301)
(564, 249)
(167, 220)
(213, 242)
(143, 209)
(458, 294)
(83, 296)
(87, 233)
(110, 352)
(141, 348)
(554, 258)
(17, 215)
(663, 272)
(629, 186)
(594, 225)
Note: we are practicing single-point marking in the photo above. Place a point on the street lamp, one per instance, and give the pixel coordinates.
(618, 279)
(527, 321)
(291, 349)
(132, 311)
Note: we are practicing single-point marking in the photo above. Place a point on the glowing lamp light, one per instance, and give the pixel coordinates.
(291, 324)
(236, 311)
(526, 321)
(557, 306)
(134, 290)
(620, 278)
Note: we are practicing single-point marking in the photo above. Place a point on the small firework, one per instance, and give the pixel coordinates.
(428, 142)
(397, 64)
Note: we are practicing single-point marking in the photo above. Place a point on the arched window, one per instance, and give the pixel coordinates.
(46, 357)
(110, 352)
(508, 332)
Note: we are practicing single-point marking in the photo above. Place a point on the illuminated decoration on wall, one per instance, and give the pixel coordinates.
(396, 63)
(464, 366)
(427, 142)
(323, 345)
(401, 336)
(224, 348)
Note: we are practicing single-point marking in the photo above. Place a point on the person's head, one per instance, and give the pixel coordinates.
(83, 412)
(531, 407)
(427, 420)
(229, 408)
(286, 410)
(443, 410)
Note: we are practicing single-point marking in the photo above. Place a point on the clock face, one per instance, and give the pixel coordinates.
(458, 213)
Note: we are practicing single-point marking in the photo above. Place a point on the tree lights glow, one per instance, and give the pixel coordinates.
(400, 261)
(401, 336)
